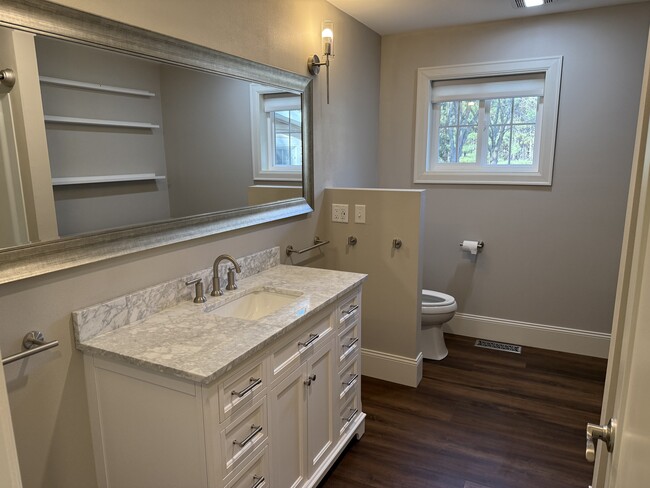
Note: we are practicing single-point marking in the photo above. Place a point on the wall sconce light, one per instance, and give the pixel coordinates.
(314, 63)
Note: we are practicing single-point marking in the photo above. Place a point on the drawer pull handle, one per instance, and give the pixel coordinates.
(353, 378)
(351, 343)
(312, 338)
(256, 430)
(350, 310)
(349, 419)
(310, 378)
(253, 383)
(258, 481)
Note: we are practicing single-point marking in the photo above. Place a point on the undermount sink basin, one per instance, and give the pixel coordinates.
(255, 305)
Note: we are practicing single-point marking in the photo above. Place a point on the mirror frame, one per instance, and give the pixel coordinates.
(56, 21)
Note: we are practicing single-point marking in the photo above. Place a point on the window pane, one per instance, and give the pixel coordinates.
(498, 145)
(281, 121)
(282, 154)
(468, 112)
(525, 110)
(296, 119)
(296, 150)
(500, 111)
(447, 145)
(467, 138)
(523, 144)
(448, 113)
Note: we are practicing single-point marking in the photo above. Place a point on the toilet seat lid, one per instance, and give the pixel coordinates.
(437, 302)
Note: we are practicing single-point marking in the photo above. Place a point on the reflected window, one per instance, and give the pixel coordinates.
(276, 125)
(286, 140)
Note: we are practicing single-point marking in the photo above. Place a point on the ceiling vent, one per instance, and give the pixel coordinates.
(521, 4)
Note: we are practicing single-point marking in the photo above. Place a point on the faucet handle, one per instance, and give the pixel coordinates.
(231, 280)
(198, 288)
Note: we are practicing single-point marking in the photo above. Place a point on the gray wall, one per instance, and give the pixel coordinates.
(551, 255)
(391, 294)
(77, 150)
(47, 392)
(207, 141)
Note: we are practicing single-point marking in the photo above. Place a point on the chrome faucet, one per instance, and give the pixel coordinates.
(216, 287)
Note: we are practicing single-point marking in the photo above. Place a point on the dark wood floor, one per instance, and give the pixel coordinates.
(479, 419)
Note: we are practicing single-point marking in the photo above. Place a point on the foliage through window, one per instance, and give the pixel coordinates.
(499, 131)
(479, 126)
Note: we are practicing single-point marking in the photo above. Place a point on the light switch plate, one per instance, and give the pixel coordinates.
(340, 212)
(360, 214)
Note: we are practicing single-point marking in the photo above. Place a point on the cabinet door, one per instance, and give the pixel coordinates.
(288, 426)
(320, 405)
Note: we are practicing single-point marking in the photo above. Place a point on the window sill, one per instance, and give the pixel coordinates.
(278, 177)
(467, 178)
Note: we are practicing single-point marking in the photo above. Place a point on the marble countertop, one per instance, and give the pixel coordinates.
(191, 342)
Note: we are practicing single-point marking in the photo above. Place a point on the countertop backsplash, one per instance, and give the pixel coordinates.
(113, 314)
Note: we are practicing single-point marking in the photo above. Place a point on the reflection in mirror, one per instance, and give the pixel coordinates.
(116, 140)
(132, 141)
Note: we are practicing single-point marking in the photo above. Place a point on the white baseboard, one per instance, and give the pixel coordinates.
(562, 339)
(389, 367)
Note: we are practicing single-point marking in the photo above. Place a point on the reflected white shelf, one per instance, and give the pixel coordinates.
(87, 180)
(99, 122)
(95, 86)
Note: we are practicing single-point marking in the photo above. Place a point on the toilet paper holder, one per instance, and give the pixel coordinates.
(479, 245)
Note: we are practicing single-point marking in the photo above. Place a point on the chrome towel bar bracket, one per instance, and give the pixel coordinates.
(317, 243)
(33, 342)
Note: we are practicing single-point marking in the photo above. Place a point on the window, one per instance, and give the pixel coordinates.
(276, 125)
(491, 123)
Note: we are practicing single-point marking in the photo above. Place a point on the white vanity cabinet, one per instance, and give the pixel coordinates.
(303, 406)
(280, 419)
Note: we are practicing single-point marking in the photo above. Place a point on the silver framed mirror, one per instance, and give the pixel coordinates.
(54, 22)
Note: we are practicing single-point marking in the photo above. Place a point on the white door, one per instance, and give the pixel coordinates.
(627, 395)
(13, 219)
(288, 430)
(320, 405)
(9, 472)
(27, 211)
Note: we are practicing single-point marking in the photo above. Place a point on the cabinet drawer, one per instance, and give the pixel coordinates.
(349, 308)
(349, 379)
(239, 390)
(255, 475)
(300, 346)
(349, 341)
(349, 412)
(244, 434)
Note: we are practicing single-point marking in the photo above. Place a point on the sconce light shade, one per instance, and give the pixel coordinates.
(327, 35)
(314, 63)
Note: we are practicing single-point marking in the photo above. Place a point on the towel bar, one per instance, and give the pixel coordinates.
(34, 342)
(317, 243)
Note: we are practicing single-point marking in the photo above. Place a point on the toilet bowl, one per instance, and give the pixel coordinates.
(437, 309)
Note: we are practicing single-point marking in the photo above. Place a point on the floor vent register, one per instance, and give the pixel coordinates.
(498, 346)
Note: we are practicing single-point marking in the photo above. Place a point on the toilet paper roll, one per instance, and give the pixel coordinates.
(471, 246)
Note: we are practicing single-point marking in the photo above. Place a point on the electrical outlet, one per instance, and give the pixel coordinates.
(360, 214)
(340, 213)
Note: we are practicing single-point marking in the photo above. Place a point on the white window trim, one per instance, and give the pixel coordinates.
(552, 69)
(260, 136)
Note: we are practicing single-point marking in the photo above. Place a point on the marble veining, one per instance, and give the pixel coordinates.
(187, 340)
(125, 310)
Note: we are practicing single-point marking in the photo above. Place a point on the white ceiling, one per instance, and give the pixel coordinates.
(395, 16)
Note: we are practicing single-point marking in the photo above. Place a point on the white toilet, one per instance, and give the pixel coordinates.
(437, 308)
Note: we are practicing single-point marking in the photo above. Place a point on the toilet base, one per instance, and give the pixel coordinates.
(433, 342)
